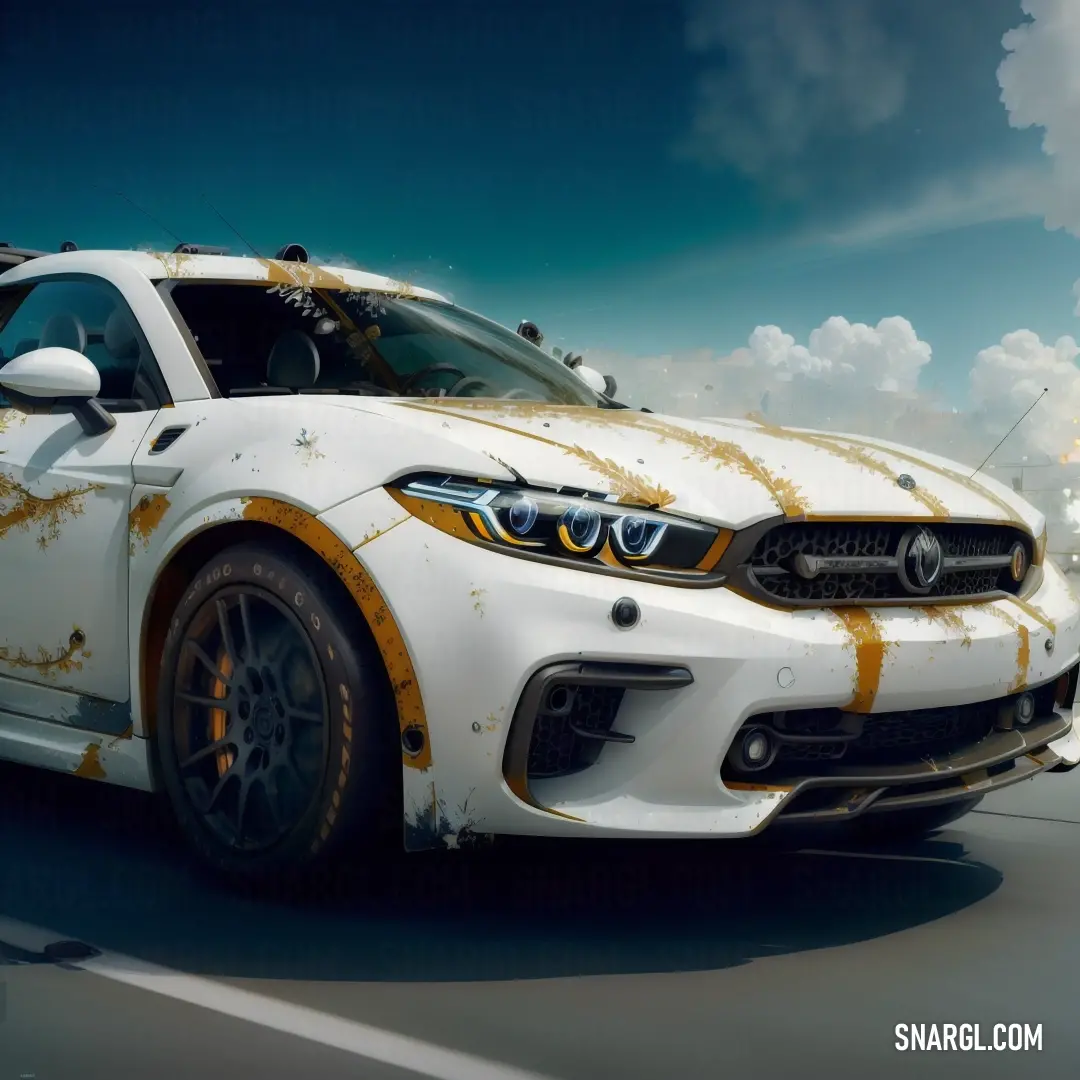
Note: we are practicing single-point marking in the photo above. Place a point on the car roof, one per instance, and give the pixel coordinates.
(179, 266)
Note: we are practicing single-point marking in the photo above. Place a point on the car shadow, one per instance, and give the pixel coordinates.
(104, 866)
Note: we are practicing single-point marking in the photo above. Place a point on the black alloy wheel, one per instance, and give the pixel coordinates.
(276, 731)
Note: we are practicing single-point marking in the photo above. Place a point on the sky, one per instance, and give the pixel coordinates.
(856, 214)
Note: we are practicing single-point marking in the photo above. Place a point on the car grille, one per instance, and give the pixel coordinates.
(875, 739)
(555, 748)
(976, 563)
(899, 737)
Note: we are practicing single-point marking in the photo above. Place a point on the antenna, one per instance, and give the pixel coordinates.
(147, 214)
(230, 226)
(1012, 429)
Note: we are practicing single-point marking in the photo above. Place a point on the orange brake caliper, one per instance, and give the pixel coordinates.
(219, 718)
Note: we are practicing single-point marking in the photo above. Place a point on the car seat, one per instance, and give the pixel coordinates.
(293, 362)
(124, 381)
(64, 330)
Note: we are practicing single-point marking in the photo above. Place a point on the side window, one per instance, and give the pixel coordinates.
(90, 317)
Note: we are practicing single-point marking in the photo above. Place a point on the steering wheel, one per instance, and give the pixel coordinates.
(517, 392)
(431, 369)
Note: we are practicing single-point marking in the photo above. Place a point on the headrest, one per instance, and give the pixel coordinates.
(65, 331)
(120, 340)
(294, 361)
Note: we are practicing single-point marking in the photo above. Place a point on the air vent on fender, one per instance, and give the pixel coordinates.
(165, 439)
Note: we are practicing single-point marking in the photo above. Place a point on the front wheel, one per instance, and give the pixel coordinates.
(275, 731)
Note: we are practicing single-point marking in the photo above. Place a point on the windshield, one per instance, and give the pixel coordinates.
(259, 340)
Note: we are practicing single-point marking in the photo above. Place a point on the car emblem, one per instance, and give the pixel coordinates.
(1018, 562)
(920, 560)
(906, 482)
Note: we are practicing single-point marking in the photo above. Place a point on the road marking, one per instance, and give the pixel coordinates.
(1027, 817)
(363, 1040)
(884, 856)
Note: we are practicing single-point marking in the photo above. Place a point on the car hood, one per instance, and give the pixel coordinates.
(730, 472)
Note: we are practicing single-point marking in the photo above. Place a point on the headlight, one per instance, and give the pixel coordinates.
(590, 532)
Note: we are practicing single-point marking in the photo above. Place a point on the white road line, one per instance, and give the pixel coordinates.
(883, 856)
(363, 1040)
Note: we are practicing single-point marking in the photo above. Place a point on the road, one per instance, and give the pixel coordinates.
(583, 963)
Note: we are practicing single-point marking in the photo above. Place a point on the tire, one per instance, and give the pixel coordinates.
(907, 826)
(303, 751)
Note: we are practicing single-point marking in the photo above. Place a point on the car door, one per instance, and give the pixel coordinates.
(64, 504)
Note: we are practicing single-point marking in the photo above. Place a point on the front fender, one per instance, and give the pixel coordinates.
(338, 543)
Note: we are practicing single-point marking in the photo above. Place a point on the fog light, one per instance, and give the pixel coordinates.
(756, 748)
(1025, 709)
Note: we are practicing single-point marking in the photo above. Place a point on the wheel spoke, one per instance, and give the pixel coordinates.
(226, 633)
(204, 658)
(251, 645)
(201, 699)
(305, 716)
(241, 806)
(219, 787)
(273, 797)
(288, 766)
(256, 653)
(204, 752)
(280, 651)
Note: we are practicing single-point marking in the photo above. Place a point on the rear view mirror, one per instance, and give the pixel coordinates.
(40, 380)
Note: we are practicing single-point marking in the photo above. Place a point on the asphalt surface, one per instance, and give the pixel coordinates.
(578, 963)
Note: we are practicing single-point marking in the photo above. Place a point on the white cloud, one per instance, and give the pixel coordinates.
(1007, 377)
(977, 197)
(866, 380)
(780, 74)
(1040, 87)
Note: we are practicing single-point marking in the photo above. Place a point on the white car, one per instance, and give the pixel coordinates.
(314, 552)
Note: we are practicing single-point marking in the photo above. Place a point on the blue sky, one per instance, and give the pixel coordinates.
(641, 177)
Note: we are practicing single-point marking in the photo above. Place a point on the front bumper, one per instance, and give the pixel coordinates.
(480, 626)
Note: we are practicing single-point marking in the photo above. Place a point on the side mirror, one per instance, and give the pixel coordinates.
(593, 379)
(42, 379)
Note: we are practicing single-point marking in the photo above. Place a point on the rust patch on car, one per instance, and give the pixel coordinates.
(630, 487)
(175, 263)
(388, 637)
(954, 475)
(1035, 613)
(368, 537)
(863, 632)
(47, 514)
(90, 767)
(444, 518)
(304, 276)
(705, 448)
(44, 662)
(307, 447)
(950, 619)
(145, 518)
(490, 724)
(853, 455)
(1039, 555)
(1023, 646)
(721, 454)
(8, 416)
(477, 595)
(510, 409)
